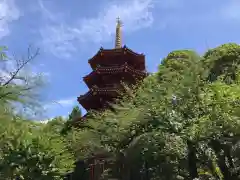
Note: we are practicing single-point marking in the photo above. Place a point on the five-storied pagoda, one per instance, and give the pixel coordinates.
(110, 69)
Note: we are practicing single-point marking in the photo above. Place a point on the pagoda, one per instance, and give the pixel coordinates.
(111, 68)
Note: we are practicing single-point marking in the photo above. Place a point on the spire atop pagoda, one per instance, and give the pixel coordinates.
(118, 40)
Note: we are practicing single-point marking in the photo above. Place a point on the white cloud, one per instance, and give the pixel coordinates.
(60, 38)
(65, 38)
(68, 102)
(45, 12)
(60, 107)
(8, 12)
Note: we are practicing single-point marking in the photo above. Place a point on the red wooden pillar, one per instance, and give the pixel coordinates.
(91, 171)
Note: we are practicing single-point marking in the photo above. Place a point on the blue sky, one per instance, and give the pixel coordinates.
(68, 33)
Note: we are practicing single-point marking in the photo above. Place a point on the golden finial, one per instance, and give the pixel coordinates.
(118, 40)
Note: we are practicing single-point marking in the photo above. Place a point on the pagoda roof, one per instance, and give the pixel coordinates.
(113, 52)
(98, 91)
(95, 93)
(114, 70)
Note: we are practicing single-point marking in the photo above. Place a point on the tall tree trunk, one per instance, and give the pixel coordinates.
(192, 160)
(221, 160)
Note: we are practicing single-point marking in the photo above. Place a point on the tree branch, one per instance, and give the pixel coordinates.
(20, 66)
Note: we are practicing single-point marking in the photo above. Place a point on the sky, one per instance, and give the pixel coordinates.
(69, 33)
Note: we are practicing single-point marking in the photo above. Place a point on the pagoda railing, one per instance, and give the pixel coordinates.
(104, 90)
(114, 85)
(116, 69)
(119, 68)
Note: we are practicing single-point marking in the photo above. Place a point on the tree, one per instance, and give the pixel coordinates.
(74, 116)
(55, 125)
(175, 126)
(76, 112)
(223, 61)
(17, 86)
(28, 152)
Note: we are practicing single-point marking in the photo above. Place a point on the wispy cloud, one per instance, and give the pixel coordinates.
(60, 38)
(61, 107)
(9, 12)
(64, 38)
(45, 12)
(68, 102)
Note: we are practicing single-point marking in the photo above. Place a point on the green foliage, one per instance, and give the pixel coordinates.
(73, 117)
(3, 55)
(228, 50)
(174, 65)
(180, 55)
(28, 153)
(19, 87)
(182, 122)
(76, 112)
(55, 125)
(177, 125)
(28, 150)
(223, 60)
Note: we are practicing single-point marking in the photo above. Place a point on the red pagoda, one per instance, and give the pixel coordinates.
(110, 69)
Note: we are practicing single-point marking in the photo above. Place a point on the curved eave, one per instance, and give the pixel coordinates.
(107, 51)
(97, 54)
(125, 48)
(93, 73)
(115, 70)
(97, 91)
